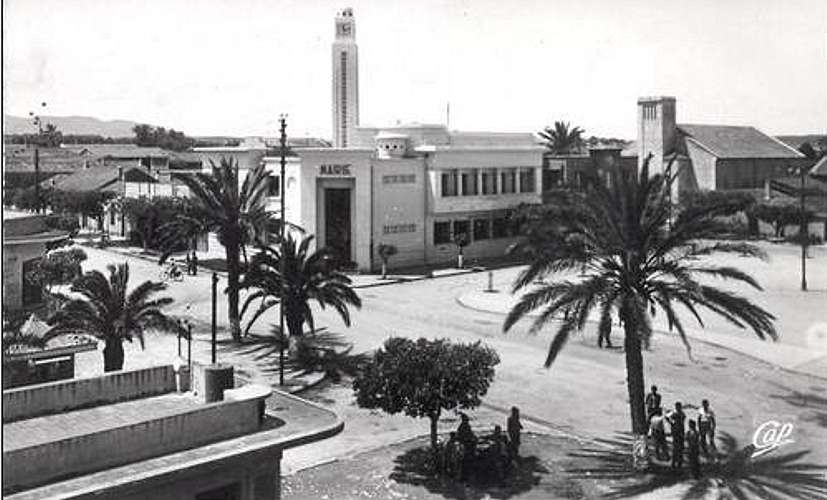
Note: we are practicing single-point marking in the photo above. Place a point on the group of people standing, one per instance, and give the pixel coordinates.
(462, 448)
(700, 436)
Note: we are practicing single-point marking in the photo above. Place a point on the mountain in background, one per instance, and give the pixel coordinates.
(77, 125)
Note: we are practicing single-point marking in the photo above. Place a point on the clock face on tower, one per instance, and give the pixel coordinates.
(346, 29)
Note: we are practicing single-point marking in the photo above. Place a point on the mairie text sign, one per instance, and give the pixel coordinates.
(334, 169)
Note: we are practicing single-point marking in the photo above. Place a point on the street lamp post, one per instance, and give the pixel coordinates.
(803, 231)
(283, 186)
(214, 319)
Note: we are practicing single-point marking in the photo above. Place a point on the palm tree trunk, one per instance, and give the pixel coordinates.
(231, 250)
(384, 269)
(113, 355)
(636, 388)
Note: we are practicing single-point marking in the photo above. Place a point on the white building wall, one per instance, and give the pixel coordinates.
(399, 210)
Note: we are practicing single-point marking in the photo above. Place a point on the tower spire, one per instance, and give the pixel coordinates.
(345, 79)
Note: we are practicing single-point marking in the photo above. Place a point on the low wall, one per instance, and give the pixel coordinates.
(56, 397)
(48, 462)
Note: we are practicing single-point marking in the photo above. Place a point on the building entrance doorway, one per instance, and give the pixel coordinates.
(337, 228)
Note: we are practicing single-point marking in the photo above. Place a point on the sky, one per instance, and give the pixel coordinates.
(230, 67)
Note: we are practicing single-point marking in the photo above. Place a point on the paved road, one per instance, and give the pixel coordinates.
(584, 393)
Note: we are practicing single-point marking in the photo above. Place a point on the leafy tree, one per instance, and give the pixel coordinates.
(562, 139)
(238, 216)
(635, 263)
(88, 203)
(57, 268)
(426, 377)
(146, 135)
(307, 277)
(385, 251)
(779, 215)
(106, 310)
(146, 216)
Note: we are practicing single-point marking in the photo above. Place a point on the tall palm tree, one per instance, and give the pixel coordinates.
(238, 216)
(562, 139)
(105, 309)
(635, 262)
(308, 277)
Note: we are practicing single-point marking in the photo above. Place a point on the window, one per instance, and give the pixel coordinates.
(489, 181)
(469, 182)
(442, 232)
(481, 229)
(462, 227)
(449, 183)
(508, 176)
(527, 180)
(274, 186)
(399, 228)
(552, 179)
(499, 227)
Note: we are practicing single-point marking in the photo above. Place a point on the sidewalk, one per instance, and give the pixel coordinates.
(810, 361)
(359, 280)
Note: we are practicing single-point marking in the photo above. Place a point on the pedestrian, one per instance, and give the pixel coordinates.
(676, 421)
(453, 456)
(693, 448)
(194, 263)
(603, 335)
(706, 428)
(189, 263)
(657, 430)
(501, 455)
(513, 427)
(652, 402)
(469, 444)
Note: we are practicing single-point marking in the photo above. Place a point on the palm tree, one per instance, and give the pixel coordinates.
(561, 140)
(105, 310)
(238, 216)
(635, 263)
(308, 277)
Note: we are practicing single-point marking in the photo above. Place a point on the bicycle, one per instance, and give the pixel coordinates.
(171, 272)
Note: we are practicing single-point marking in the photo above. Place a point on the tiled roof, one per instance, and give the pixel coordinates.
(738, 142)
(20, 158)
(117, 150)
(92, 179)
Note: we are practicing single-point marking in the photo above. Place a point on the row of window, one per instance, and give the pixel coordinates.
(473, 182)
(476, 229)
(399, 179)
(398, 228)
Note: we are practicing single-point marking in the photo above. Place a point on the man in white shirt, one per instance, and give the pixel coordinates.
(706, 427)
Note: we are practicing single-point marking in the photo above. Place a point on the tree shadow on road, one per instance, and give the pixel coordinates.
(415, 467)
(735, 474)
(321, 351)
(813, 406)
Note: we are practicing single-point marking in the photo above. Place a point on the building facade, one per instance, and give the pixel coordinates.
(418, 187)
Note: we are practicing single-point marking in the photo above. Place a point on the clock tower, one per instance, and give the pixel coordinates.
(345, 80)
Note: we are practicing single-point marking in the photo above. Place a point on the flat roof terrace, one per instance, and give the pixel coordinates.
(128, 431)
(46, 429)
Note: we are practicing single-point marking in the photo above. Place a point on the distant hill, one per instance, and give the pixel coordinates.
(80, 125)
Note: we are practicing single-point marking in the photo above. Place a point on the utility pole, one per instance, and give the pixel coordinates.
(803, 230)
(37, 121)
(214, 304)
(282, 262)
